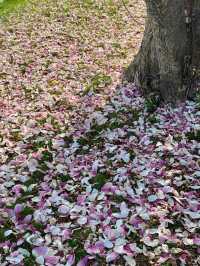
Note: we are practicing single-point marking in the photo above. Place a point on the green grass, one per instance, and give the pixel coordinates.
(8, 6)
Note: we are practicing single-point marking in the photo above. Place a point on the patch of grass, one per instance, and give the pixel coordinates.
(122, 118)
(92, 137)
(38, 226)
(100, 179)
(97, 82)
(134, 114)
(47, 156)
(29, 261)
(64, 178)
(41, 143)
(193, 135)
(153, 119)
(15, 135)
(26, 195)
(116, 124)
(198, 99)
(35, 178)
(68, 140)
(79, 236)
(27, 211)
(117, 198)
(8, 6)
(154, 139)
(167, 263)
(177, 138)
(6, 226)
(132, 154)
(152, 103)
(142, 260)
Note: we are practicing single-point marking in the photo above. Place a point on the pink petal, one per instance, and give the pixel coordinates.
(70, 260)
(66, 234)
(83, 262)
(111, 257)
(97, 248)
(40, 251)
(52, 260)
(18, 208)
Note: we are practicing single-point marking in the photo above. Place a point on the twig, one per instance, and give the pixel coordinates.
(124, 4)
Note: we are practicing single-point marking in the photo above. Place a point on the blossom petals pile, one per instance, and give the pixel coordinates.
(119, 186)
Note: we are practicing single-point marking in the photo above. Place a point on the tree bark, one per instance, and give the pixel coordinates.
(168, 62)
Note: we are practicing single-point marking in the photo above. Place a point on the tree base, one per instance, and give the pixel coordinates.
(163, 64)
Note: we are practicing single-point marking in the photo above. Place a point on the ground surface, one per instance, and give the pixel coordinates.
(87, 177)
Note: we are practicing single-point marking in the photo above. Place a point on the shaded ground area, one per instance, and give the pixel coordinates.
(91, 173)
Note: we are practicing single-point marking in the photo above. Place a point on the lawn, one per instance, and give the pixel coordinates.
(7, 6)
(91, 173)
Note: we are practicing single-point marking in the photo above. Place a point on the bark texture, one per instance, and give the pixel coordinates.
(168, 62)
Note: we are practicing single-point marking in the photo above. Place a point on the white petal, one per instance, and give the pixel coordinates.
(152, 198)
(188, 241)
(32, 165)
(108, 244)
(151, 243)
(8, 232)
(82, 220)
(119, 249)
(40, 260)
(130, 261)
(193, 215)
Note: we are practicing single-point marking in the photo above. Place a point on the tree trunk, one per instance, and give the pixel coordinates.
(168, 62)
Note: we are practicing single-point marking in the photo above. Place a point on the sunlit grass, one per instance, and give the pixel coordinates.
(7, 6)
